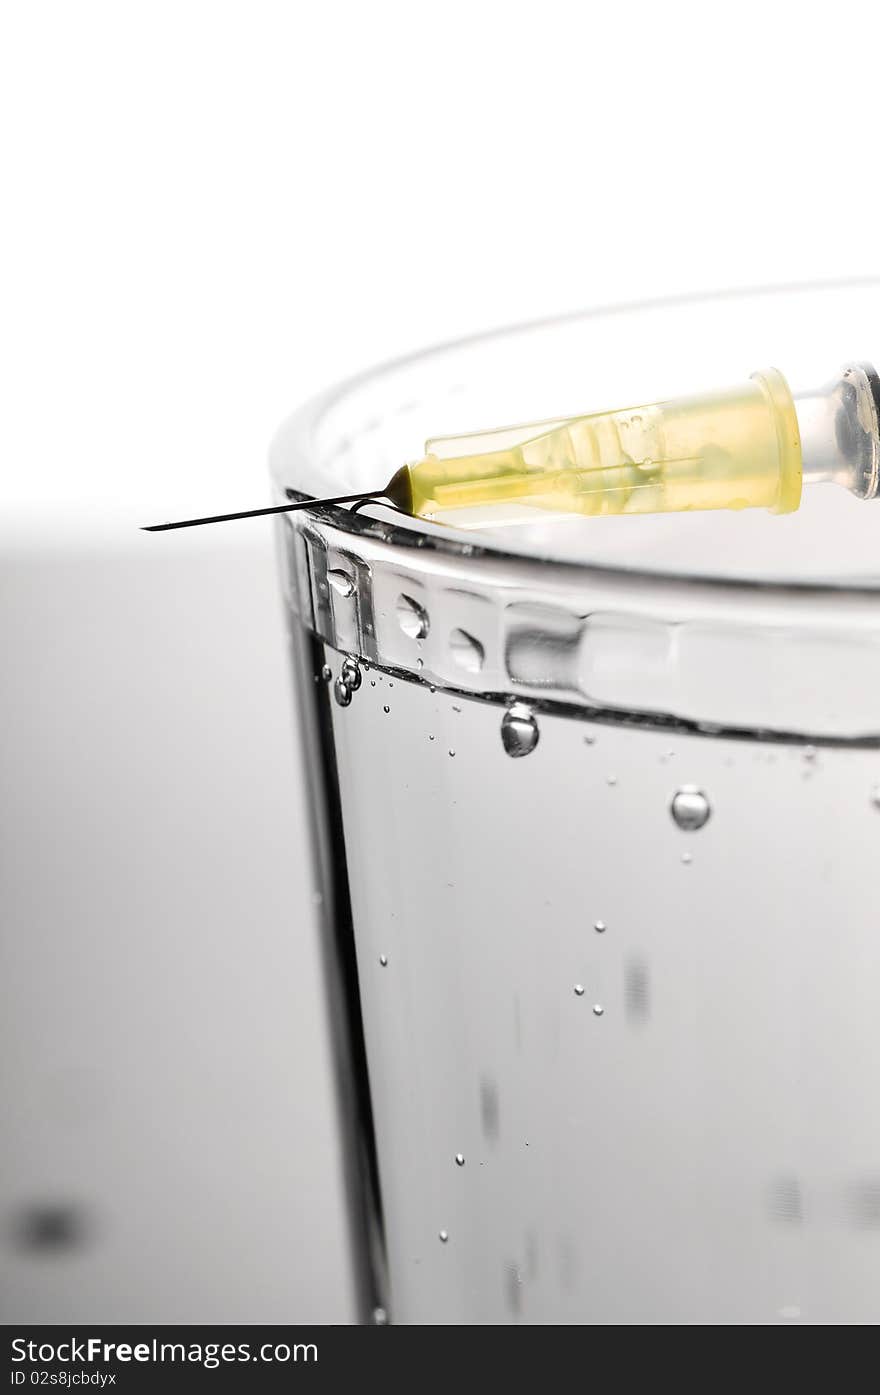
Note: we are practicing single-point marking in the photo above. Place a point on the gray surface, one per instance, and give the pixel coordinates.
(169, 1140)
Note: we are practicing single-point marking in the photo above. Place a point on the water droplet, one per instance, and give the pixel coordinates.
(455, 709)
(690, 808)
(598, 1010)
(687, 859)
(341, 582)
(612, 780)
(386, 708)
(431, 688)
(420, 663)
(519, 730)
(444, 1236)
(411, 617)
(467, 652)
(383, 960)
(451, 751)
(372, 682)
(589, 740)
(579, 990)
(600, 927)
(342, 692)
(430, 738)
(351, 673)
(326, 673)
(459, 1159)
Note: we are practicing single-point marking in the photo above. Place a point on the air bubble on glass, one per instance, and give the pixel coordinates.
(342, 692)
(690, 808)
(519, 731)
(412, 618)
(351, 673)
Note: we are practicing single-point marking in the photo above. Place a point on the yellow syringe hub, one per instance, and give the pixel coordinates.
(747, 447)
(735, 449)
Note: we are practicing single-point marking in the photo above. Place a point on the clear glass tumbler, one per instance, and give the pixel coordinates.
(596, 805)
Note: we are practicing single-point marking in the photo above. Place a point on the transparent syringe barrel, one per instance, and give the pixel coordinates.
(734, 449)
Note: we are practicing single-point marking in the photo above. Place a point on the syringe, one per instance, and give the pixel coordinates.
(752, 446)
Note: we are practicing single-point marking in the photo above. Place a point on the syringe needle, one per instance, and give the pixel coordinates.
(753, 445)
(259, 513)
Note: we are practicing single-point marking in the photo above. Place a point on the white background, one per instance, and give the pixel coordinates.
(210, 211)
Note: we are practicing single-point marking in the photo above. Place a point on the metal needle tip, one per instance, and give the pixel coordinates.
(261, 513)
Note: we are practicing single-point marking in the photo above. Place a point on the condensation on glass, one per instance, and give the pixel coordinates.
(596, 814)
